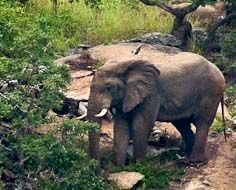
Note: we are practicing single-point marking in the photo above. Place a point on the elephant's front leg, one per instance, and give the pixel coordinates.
(121, 140)
(143, 122)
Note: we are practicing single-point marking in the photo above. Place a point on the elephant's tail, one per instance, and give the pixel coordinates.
(223, 116)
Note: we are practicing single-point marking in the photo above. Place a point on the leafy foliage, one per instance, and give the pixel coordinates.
(157, 170)
(53, 162)
(26, 53)
(229, 44)
(30, 85)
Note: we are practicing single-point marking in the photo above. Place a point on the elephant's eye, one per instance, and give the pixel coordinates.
(109, 87)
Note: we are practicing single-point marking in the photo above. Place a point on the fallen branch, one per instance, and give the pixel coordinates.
(90, 74)
(137, 50)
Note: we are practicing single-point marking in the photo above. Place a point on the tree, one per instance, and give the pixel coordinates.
(181, 27)
(230, 15)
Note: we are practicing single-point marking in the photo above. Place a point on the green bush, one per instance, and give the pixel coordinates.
(229, 44)
(158, 170)
(31, 85)
(60, 163)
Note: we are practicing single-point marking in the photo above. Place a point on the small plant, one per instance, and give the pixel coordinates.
(217, 125)
(158, 171)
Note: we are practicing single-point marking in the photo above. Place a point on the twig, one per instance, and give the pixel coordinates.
(90, 74)
(137, 50)
(3, 146)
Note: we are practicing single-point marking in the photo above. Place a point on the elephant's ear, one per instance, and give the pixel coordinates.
(141, 80)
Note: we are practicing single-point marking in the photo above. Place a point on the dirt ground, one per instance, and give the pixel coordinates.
(220, 171)
(218, 174)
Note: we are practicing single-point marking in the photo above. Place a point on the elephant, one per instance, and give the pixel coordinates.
(186, 89)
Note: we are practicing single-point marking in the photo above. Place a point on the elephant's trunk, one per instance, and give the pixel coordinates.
(96, 111)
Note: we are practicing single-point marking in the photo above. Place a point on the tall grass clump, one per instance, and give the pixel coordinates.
(108, 21)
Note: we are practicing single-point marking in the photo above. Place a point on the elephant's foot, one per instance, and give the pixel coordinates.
(197, 160)
(185, 162)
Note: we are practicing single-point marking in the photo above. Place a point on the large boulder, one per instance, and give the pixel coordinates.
(158, 38)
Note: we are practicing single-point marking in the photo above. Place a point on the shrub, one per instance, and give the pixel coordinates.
(229, 44)
(30, 85)
(157, 170)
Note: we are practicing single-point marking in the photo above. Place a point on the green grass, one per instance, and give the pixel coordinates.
(112, 21)
(217, 125)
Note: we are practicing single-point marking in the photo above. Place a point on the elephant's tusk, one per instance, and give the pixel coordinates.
(82, 110)
(102, 113)
(82, 116)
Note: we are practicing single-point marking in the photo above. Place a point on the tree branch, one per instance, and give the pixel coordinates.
(174, 11)
(192, 7)
(160, 5)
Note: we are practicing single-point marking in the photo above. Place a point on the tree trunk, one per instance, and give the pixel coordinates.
(182, 29)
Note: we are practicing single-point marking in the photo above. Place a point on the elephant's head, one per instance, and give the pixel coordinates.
(122, 86)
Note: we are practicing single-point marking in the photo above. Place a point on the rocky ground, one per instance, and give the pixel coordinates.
(218, 174)
(220, 171)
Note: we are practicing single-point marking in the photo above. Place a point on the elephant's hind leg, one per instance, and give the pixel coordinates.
(202, 122)
(187, 134)
(121, 140)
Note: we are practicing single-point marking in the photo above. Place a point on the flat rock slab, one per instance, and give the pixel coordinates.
(125, 51)
(79, 87)
(125, 180)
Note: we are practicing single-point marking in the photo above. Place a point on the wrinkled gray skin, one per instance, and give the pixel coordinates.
(182, 93)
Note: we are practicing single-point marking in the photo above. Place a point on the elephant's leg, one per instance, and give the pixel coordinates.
(143, 122)
(198, 151)
(202, 122)
(187, 134)
(121, 140)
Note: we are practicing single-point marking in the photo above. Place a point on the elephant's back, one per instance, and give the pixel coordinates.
(189, 65)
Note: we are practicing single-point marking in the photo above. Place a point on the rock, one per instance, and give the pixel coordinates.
(158, 38)
(64, 60)
(199, 36)
(78, 50)
(207, 183)
(80, 61)
(125, 180)
(228, 131)
(195, 185)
